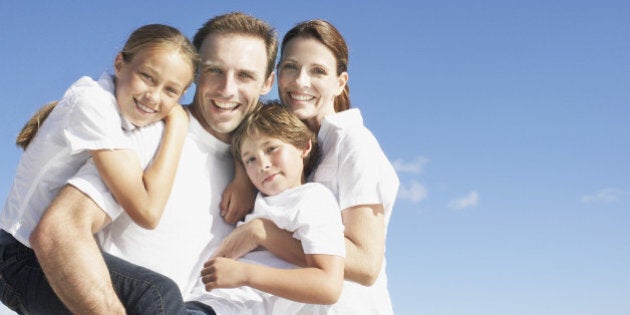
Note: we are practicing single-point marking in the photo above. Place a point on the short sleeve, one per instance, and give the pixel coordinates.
(88, 180)
(93, 121)
(359, 171)
(321, 229)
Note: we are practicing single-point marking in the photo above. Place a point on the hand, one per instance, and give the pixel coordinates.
(238, 197)
(177, 115)
(223, 273)
(242, 240)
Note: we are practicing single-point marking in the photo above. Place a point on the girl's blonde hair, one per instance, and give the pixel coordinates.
(149, 36)
(154, 36)
(274, 120)
(31, 127)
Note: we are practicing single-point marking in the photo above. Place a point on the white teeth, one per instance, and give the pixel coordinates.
(226, 105)
(146, 109)
(300, 97)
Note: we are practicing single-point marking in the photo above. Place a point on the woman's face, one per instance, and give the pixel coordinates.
(307, 79)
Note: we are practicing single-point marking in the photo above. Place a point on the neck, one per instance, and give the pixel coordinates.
(194, 110)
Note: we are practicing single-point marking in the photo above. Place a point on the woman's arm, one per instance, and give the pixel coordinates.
(318, 283)
(143, 193)
(365, 242)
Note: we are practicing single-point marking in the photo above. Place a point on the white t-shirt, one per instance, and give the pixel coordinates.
(355, 169)
(191, 225)
(311, 212)
(85, 119)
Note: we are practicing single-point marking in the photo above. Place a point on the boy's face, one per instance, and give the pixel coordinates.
(230, 80)
(272, 165)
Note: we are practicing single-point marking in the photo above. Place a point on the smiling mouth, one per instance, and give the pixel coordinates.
(225, 106)
(301, 97)
(145, 109)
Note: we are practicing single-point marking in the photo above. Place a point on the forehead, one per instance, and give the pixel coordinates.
(235, 51)
(308, 49)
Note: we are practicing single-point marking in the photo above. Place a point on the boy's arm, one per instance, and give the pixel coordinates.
(70, 257)
(265, 233)
(143, 193)
(319, 283)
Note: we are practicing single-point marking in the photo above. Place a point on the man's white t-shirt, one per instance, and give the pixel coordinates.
(190, 224)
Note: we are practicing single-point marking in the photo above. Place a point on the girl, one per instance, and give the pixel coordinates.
(277, 150)
(96, 122)
(312, 83)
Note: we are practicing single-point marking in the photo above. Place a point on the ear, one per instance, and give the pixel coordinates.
(268, 83)
(118, 63)
(307, 150)
(342, 81)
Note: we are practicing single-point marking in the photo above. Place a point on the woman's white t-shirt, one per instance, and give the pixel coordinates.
(356, 170)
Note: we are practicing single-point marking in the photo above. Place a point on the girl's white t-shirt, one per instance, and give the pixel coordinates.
(86, 118)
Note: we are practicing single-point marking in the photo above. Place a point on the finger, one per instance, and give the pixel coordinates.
(229, 216)
(224, 205)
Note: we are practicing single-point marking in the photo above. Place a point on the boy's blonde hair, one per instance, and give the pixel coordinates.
(274, 120)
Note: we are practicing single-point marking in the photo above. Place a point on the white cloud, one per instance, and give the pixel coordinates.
(415, 166)
(413, 191)
(606, 195)
(469, 200)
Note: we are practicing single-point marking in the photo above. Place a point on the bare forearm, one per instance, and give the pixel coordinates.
(159, 175)
(143, 192)
(365, 243)
(305, 285)
(72, 261)
(282, 244)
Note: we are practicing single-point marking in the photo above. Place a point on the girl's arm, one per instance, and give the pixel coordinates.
(238, 197)
(143, 194)
(318, 283)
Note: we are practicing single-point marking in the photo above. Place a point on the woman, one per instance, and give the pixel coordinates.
(312, 83)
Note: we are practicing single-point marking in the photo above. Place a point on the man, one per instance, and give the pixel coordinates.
(237, 61)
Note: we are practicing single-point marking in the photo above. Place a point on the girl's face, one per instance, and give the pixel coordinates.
(307, 80)
(151, 84)
(272, 165)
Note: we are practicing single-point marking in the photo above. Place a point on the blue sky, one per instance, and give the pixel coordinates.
(508, 121)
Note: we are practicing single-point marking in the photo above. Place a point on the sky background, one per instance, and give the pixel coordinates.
(508, 122)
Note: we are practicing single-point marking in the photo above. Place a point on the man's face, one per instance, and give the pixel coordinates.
(230, 81)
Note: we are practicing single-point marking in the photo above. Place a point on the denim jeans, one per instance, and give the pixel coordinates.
(24, 288)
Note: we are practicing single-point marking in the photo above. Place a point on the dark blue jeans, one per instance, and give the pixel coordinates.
(24, 288)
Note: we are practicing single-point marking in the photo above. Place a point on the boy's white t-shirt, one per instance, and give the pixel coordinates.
(354, 167)
(86, 118)
(311, 212)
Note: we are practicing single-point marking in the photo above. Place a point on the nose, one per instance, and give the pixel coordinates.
(303, 79)
(229, 85)
(152, 96)
(265, 163)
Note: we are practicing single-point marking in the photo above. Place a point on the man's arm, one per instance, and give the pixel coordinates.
(70, 257)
